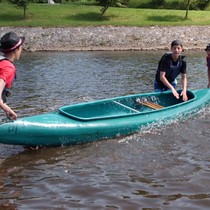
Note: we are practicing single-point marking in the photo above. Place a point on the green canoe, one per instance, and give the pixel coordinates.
(107, 118)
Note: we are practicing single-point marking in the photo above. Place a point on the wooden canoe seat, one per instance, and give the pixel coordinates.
(149, 104)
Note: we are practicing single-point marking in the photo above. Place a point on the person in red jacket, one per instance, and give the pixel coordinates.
(11, 47)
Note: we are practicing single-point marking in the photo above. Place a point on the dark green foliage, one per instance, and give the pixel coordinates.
(169, 4)
(199, 4)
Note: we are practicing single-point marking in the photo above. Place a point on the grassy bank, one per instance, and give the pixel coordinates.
(63, 15)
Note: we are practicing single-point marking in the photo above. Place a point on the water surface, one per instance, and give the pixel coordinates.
(163, 167)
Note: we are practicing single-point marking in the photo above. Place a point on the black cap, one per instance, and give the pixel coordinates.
(207, 47)
(176, 42)
(10, 41)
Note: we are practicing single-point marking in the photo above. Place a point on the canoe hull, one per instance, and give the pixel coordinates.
(97, 120)
(59, 133)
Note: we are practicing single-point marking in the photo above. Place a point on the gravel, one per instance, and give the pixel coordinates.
(110, 37)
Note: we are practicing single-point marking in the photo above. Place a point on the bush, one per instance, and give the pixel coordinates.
(169, 4)
(199, 4)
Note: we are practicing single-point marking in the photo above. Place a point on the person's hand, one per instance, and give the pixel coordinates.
(11, 115)
(184, 96)
(175, 93)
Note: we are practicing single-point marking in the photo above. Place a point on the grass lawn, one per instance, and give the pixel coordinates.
(63, 15)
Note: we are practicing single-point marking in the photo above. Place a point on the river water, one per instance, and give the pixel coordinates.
(163, 167)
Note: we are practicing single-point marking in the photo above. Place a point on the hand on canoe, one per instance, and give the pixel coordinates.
(176, 95)
(184, 96)
(11, 115)
(9, 112)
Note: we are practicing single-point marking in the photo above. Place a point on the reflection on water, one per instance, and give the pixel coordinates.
(162, 167)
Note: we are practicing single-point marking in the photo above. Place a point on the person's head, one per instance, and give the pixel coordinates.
(11, 43)
(177, 47)
(207, 49)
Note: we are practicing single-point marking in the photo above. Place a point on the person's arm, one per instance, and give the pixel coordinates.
(184, 87)
(167, 84)
(9, 112)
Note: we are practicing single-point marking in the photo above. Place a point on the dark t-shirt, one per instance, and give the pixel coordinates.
(208, 61)
(171, 68)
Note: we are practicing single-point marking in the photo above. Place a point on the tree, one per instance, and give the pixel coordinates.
(196, 5)
(187, 9)
(22, 4)
(107, 3)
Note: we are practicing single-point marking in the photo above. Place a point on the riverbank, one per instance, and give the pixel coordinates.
(111, 37)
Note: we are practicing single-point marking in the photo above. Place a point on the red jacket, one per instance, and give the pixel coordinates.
(7, 72)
